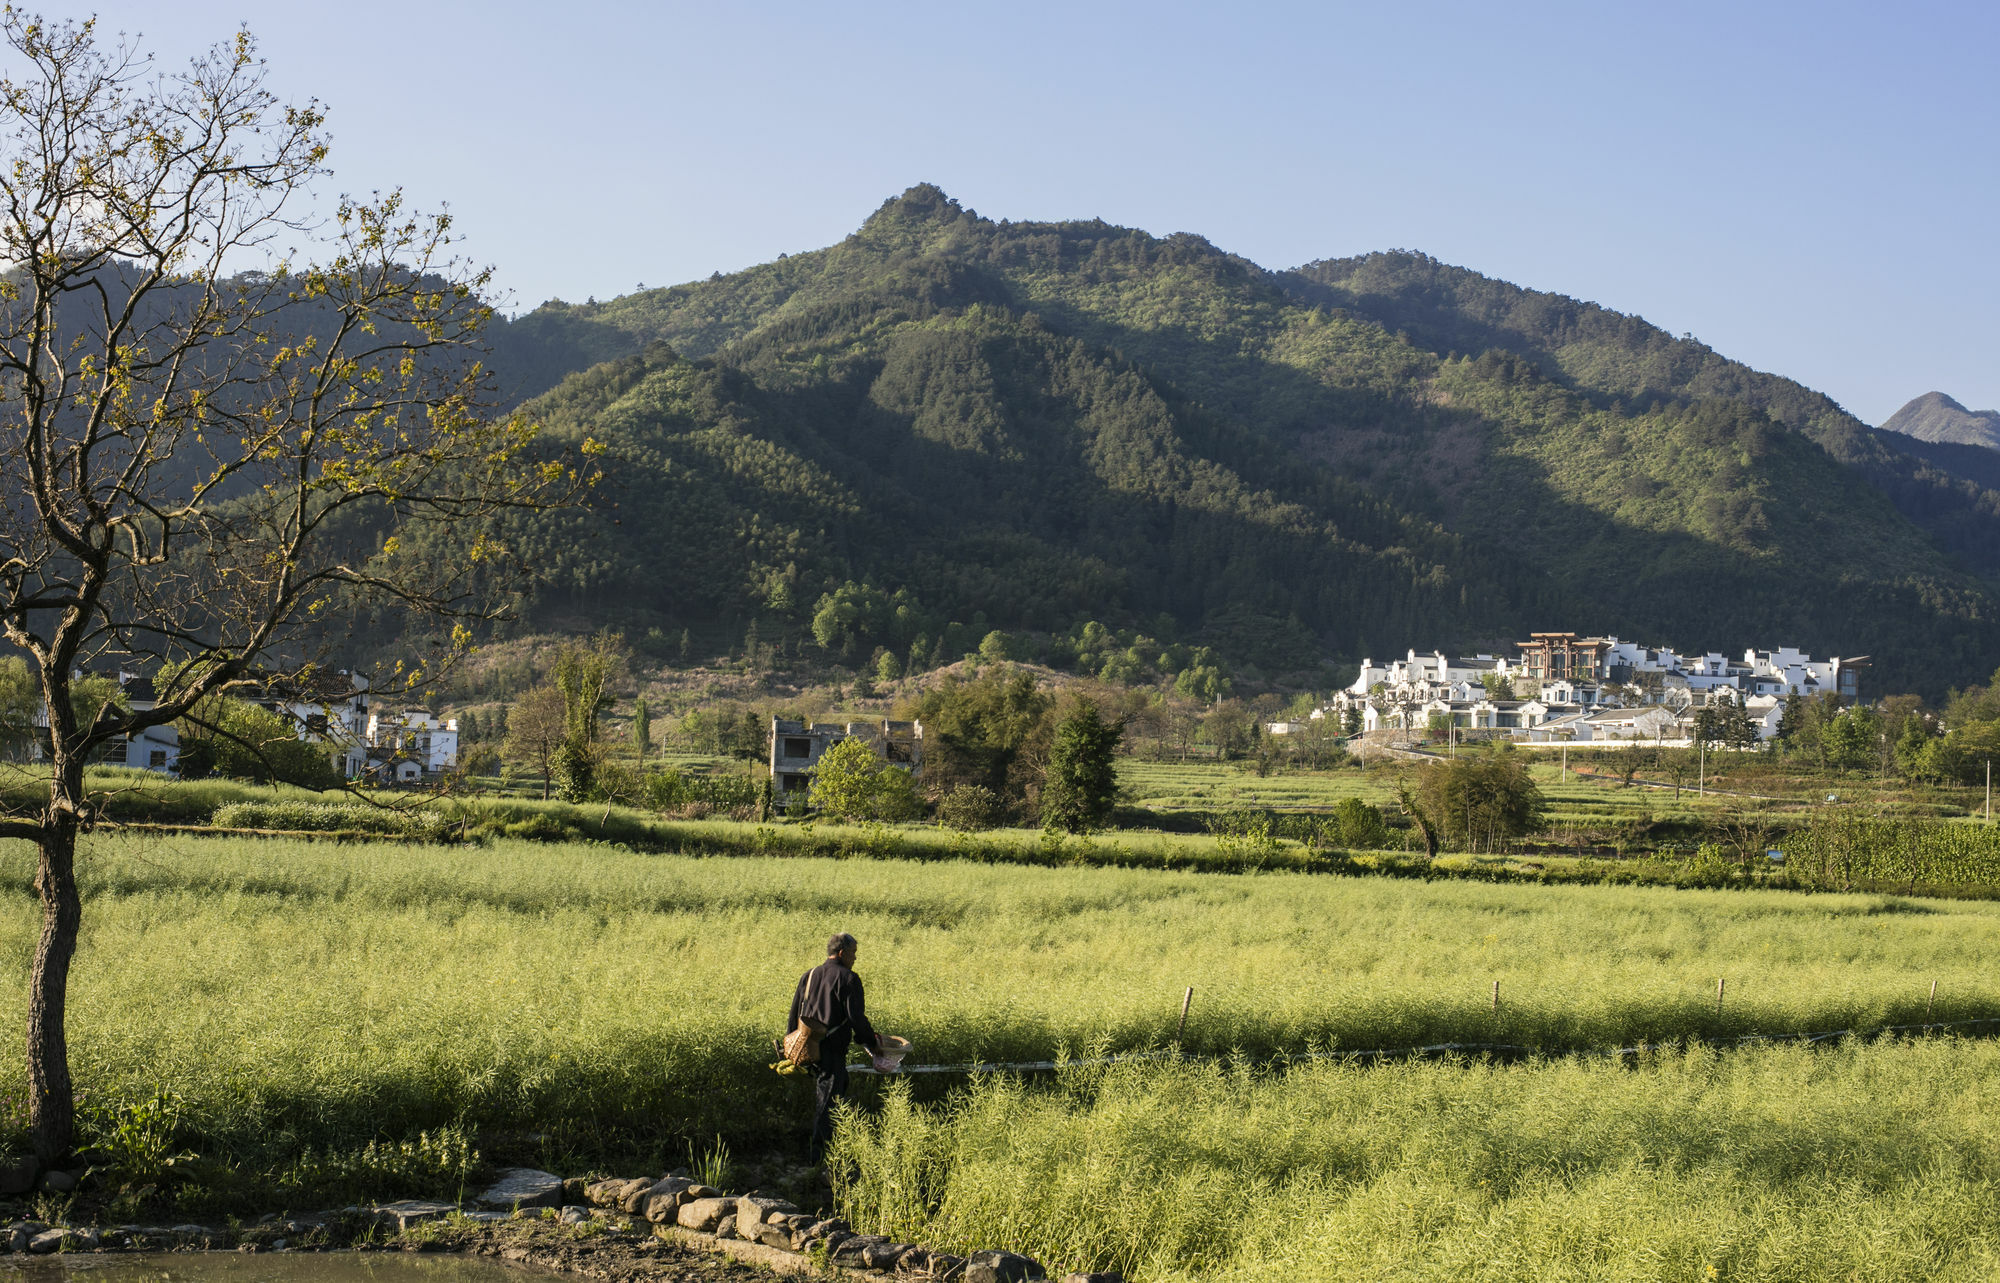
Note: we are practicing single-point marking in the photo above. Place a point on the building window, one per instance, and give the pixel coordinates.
(797, 747)
(157, 760)
(793, 783)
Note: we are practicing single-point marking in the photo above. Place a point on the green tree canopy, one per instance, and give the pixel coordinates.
(850, 782)
(1081, 788)
(1483, 799)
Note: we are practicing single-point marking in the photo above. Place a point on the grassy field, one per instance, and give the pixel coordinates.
(1872, 1162)
(1572, 799)
(1220, 786)
(581, 1004)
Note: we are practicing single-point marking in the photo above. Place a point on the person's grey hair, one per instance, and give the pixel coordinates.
(841, 940)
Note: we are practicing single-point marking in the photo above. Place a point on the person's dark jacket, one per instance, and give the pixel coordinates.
(838, 1006)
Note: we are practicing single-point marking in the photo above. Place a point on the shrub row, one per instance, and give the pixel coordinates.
(331, 817)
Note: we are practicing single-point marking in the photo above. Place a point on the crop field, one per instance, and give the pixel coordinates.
(1573, 799)
(1221, 786)
(353, 1017)
(1873, 1162)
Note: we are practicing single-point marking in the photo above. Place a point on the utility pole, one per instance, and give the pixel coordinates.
(1989, 790)
(1701, 785)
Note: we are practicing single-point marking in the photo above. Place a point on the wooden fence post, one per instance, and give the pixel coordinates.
(1187, 1000)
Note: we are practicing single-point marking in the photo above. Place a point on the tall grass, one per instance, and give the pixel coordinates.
(1879, 1162)
(580, 1004)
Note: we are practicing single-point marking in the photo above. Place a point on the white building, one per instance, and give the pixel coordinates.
(1434, 669)
(415, 736)
(331, 711)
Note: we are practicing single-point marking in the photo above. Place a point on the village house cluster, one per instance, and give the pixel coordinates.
(362, 741)
(1565, 689)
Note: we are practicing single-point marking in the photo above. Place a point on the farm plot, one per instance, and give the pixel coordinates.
(1786, 1164)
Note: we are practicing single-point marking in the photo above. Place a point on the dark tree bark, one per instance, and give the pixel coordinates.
(52, 1099)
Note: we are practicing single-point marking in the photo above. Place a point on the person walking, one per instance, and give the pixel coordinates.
(830, 996)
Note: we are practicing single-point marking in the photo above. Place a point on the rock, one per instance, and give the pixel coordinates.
(1102, 1276)
(605, 1193)
(576, 1190)
(833, 1225)
(914, 1260)
(701, 1191)
(775, 1236)
(751, 1210)
(523, 1187)
(58, 1182)
(401, 1215)
(17, 1175)
(664, 1197)
(726, 1227)
(943, 1265)
(47, 1241)
(1002, 1267)
(704, 1214)
(834, 1239)
(87, 1238)
(633, 1200)
(280, 1244)
(574, 1214)
(882, 1256)
(851, 1248)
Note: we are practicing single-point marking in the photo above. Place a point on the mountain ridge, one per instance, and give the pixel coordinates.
(1355, 455)
(1938, 419)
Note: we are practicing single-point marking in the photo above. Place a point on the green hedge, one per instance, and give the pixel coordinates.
(331, 817)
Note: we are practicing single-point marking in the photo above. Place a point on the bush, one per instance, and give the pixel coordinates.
(330, 817)
(670, 790)
(252, 743)
(1357, 826)
(850, 782)
(969, 808)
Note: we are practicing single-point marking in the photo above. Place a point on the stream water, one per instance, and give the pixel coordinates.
(262, 1267)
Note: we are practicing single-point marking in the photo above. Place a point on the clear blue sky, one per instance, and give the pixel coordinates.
(1806, 187)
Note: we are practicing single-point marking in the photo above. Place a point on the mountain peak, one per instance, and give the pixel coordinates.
(924, 203)
(1935, 416)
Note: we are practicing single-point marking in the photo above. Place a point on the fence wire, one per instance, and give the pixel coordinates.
(1983, 1026)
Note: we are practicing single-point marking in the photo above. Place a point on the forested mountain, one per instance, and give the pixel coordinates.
(946, 419)
(1936, 417)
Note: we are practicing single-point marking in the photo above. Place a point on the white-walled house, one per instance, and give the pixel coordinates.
(156, 748)
(417, 736)
(331, 711)
(1764, 711)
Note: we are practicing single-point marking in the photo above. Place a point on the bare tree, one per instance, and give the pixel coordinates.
(215, 461)
(537, 725)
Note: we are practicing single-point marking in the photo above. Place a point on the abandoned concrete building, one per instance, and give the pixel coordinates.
(796, 748)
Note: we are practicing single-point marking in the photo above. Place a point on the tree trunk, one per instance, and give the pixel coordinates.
(51, 1098)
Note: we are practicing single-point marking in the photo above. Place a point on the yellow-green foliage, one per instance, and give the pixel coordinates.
(1788, 1163)
(324, 994)
(1201, 785)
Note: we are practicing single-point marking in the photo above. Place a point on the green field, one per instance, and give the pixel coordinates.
(1225, 785)
(1221, 786)
(584, 1006)
(1787, 1164)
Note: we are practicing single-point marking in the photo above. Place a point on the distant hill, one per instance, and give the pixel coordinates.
(946, 423)
(1936, 417)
